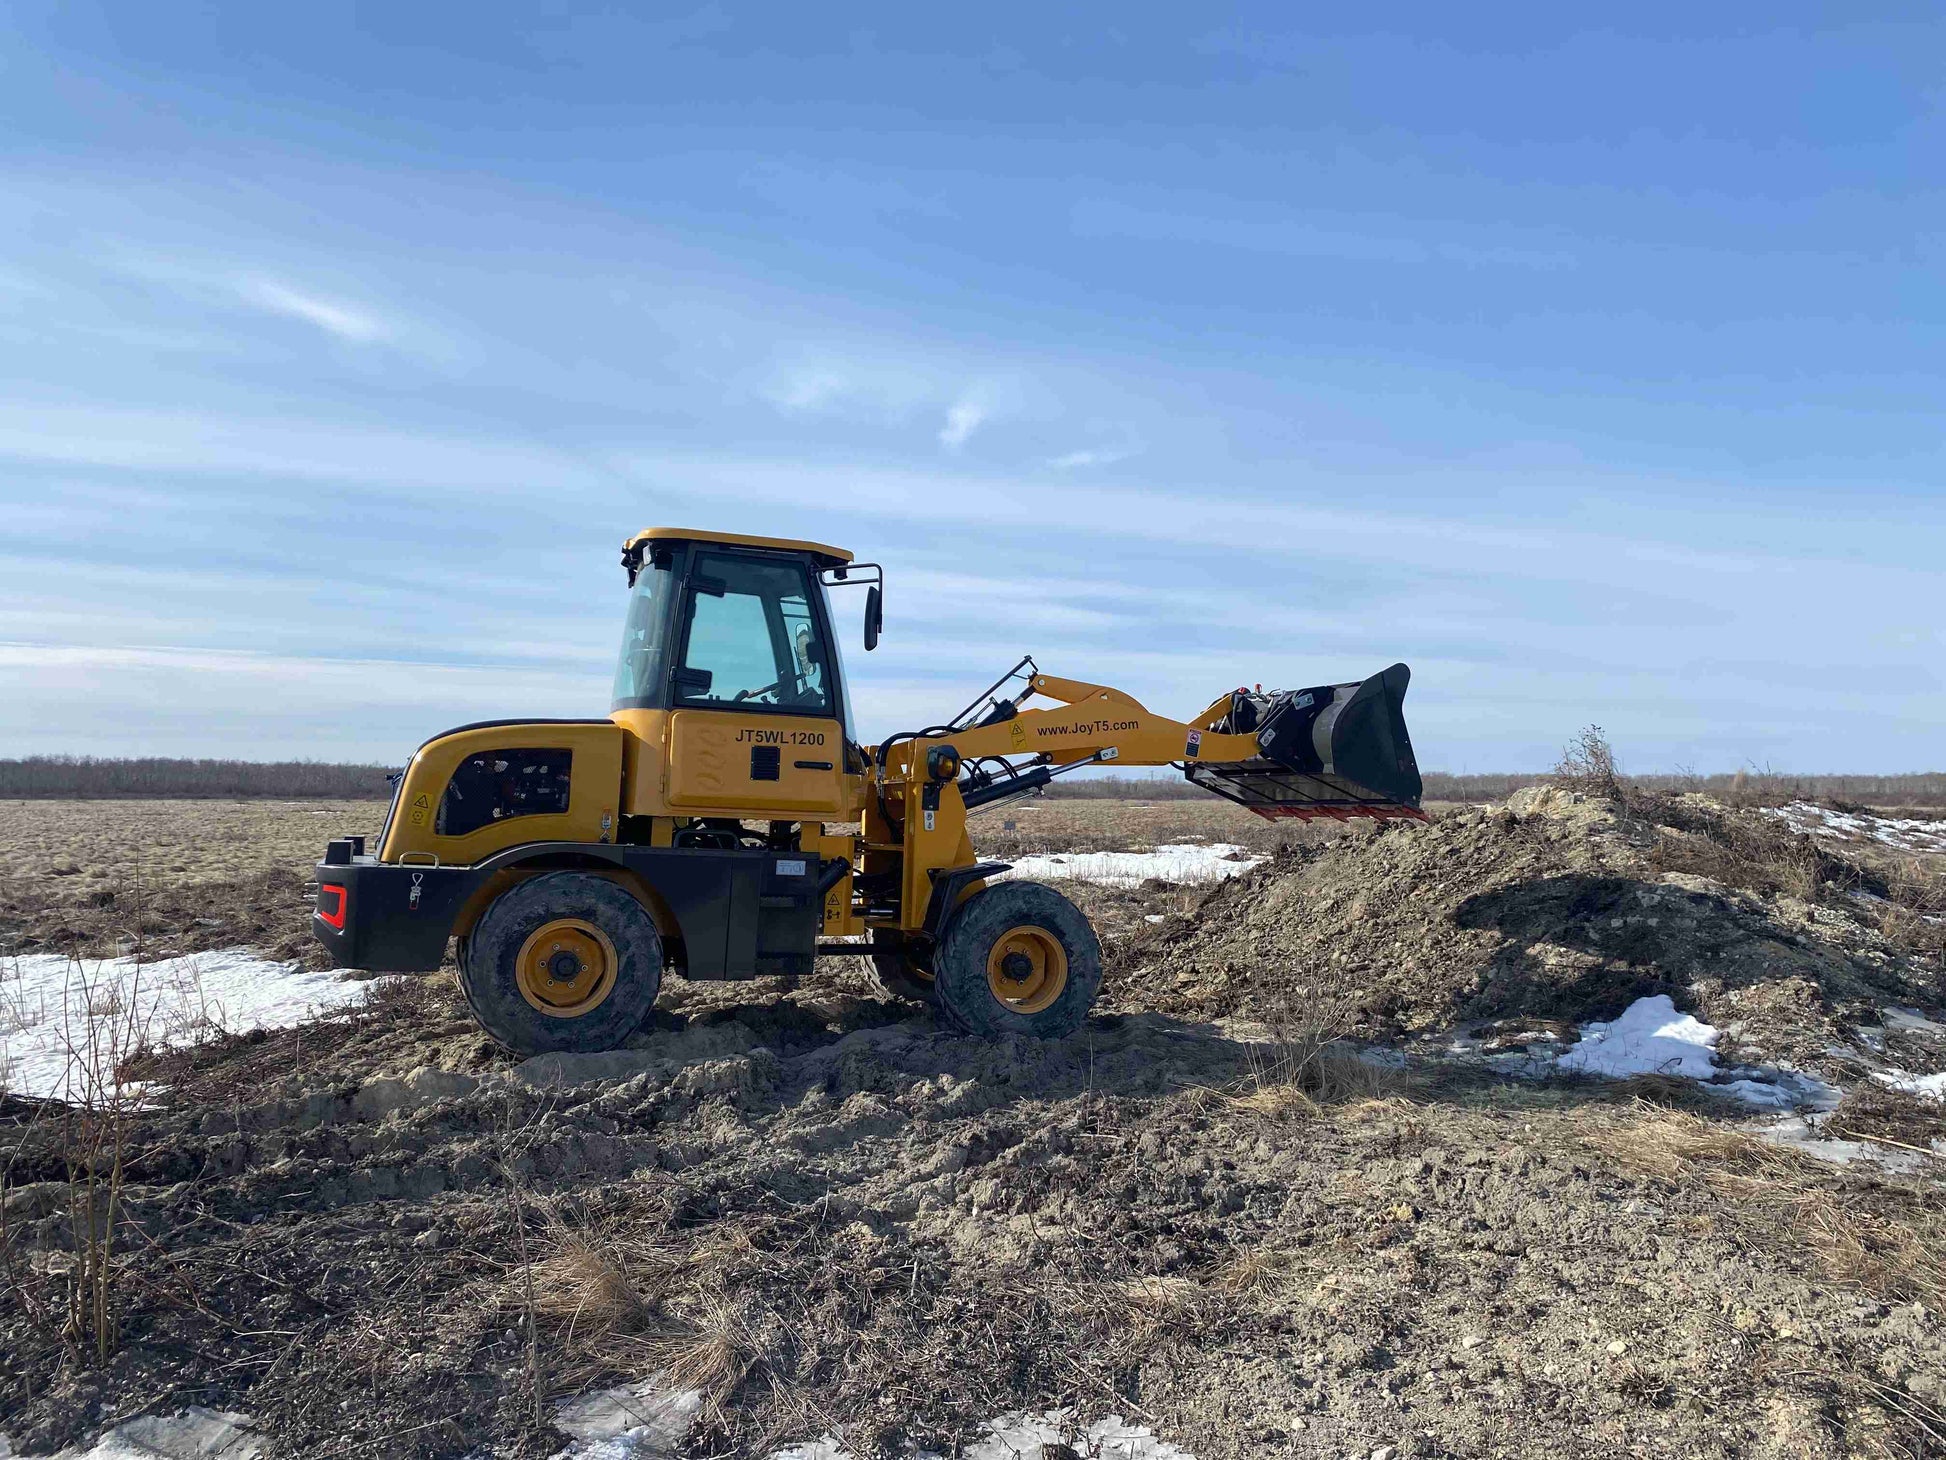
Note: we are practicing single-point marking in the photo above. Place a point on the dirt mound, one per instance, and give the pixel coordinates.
(1552, 907)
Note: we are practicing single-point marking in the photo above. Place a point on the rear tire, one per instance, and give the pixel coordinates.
(1017, 958)
(563, 961)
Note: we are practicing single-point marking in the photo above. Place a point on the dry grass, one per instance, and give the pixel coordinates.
(170, 841)
(79, 1287)
(1304, 1067)
(1674, 1147)
(1904, 894)
(1872, 1112)
(633, 1301)
(1755, 853)
(100, 876)
(1891, 1246)
(96, 877)
(1299, 1079)
(1587, 765)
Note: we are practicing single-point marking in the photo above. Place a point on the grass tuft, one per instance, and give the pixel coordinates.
(1886, 1241)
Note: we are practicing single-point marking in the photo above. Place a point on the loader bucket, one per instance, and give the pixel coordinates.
(1337, 750)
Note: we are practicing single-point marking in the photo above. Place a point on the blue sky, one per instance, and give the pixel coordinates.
(1596, 373)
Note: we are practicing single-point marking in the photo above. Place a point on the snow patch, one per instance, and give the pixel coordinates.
(65, 1022)
(1016, 1436)
(1802, 1134)
(633, 1422)
(1652, 1037)
(1649, 1038)
(1926, 1087)
(1908, 834)
(1183, 862)
(642, 1422)
(194, 1434)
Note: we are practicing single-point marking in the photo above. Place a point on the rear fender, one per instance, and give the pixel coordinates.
(513, 875)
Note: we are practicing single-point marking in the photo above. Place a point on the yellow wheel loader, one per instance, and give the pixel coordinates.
(723, 821)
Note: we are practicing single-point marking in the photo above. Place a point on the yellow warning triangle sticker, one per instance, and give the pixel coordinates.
(422, 801)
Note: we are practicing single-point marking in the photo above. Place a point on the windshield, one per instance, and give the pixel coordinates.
(751, 639)
(638, 673)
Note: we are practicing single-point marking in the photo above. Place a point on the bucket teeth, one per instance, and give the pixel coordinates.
(1339, 751)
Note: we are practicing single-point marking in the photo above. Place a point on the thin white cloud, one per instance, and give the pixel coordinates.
(963, 418)
(812, 388)
(1091, 456)
(344, 321)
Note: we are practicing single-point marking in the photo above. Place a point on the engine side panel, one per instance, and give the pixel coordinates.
(476, 791)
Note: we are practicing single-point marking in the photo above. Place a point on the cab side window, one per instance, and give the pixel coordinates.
(497, 784)
(751, 639)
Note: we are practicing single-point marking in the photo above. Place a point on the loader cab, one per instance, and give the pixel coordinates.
(730, 668)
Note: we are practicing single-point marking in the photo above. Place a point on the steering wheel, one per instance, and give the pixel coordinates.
(800, 691)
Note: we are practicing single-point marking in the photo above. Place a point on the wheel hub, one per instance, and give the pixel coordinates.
(1027, 968)
(566, 968)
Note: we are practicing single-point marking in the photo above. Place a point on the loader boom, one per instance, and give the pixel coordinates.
(1095, 724)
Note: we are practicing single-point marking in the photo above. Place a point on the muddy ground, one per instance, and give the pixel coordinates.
(381, 1236)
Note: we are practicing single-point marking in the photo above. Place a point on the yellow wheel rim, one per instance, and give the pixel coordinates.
(1027, 968)
(566, 968)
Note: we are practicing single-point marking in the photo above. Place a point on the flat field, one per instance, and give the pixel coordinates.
(103, 877)
(99, 876)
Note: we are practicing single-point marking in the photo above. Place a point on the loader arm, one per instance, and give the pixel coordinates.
(1334, 751)
(1097, 722)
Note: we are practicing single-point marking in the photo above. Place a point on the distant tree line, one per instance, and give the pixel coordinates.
(81, 777)
(86, 777)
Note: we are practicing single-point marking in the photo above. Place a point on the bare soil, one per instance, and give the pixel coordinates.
(830, 1214)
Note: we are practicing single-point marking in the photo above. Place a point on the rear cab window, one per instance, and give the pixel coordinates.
(497, 784)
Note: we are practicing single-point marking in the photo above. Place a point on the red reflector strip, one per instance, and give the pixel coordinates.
(1340, 813)
(336, 917)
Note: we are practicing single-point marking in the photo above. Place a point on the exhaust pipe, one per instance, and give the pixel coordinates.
(1335, 750)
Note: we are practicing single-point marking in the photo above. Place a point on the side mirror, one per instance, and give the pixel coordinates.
(874, 617)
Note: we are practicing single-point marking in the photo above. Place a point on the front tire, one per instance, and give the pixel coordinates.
(900, 971)
(563, 961)
(1017, 958)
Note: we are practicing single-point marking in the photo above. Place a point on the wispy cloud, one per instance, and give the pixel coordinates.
(341, 320)
(965, 416)
(1090, 456)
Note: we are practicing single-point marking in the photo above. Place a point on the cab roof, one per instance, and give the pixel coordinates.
(826, 556)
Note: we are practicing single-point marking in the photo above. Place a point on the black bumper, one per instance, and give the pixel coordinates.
(735, 914)
(389, 918)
